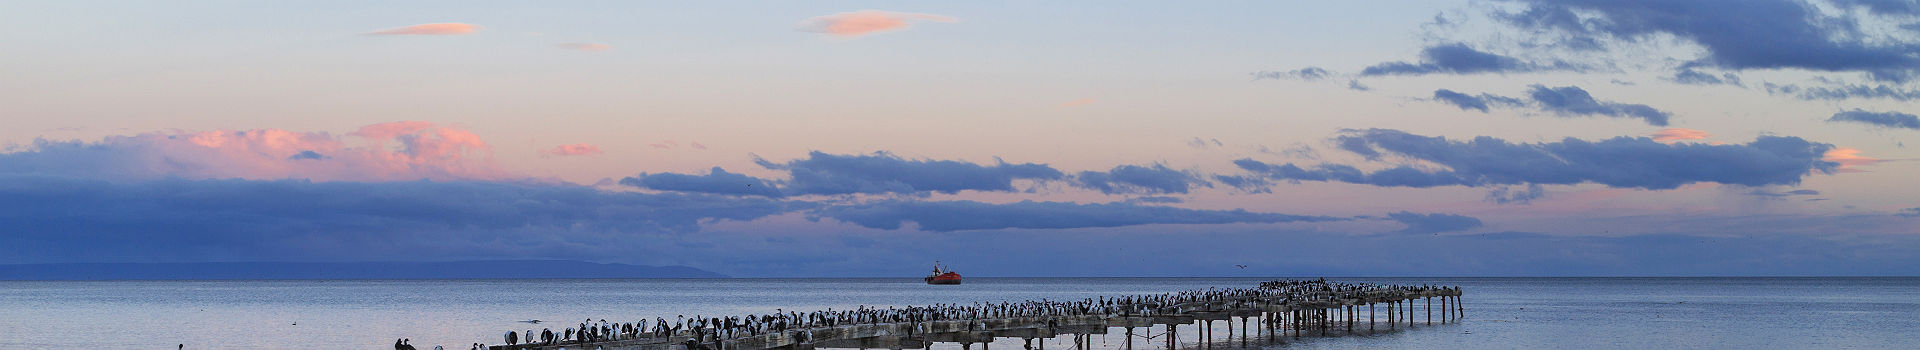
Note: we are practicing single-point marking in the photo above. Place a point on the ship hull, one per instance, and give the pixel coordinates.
(946, 278)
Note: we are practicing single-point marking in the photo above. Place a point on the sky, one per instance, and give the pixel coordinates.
(1002, 138)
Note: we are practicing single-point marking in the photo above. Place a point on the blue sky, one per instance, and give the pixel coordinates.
(1433, 138)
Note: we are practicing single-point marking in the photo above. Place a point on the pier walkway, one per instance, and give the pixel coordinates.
(1270, 312)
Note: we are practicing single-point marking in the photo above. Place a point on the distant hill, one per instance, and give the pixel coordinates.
(344, 270)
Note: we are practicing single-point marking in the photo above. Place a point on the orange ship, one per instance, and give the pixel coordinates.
(942, 275)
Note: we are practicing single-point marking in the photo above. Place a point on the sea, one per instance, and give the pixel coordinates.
(1501, 313)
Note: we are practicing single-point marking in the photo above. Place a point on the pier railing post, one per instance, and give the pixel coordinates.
(1171, 330)
(1458, 306)
(1351, 318)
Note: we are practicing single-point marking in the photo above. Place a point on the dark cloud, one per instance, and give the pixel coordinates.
(1764, 193)
(62, 219)
(1510, 195)
(1482, 102)
(1464, 101)
(1459, 58)
(1845, 92)
(1139, 179)
(1693, 77)
(881, 172)
(1909, 212)
(1249, 184)
(1158, 199)
(1356, 86)
(307, 155)
(1307, 74)
(1737, 34)
(718, 181)
(1882, 119)
(1892, 76)
(1574, 101)
(1433, 223)
(1623, 162)
(832, 174)
(945, 216)
(1565, 101)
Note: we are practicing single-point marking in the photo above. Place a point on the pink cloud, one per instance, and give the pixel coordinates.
(586, 46)
(578, 149)
(1849, 159)
(430, 29)
(1679, 134)
(668, 144)
(697, 145)
(419, 151)
(863, 22)
(1079, 102)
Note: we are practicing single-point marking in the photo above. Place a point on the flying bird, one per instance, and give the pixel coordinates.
(1240, 266)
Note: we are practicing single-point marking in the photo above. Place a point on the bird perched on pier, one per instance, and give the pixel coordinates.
(700, 329)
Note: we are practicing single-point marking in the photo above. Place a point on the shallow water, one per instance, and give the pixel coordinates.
(1502, 313)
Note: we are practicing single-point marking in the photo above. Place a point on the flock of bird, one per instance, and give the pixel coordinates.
(707, 330)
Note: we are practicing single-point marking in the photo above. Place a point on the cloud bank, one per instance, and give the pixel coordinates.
(1736, 34)
(882, 172)
(63, 219)
(396, 151)
(823, 173)
(946, 216)
(1433, 223)
(1155, 179)
(1459, 58)
(1622, 162)
(717, 181)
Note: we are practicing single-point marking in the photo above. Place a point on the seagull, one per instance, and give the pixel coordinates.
(1240, 266)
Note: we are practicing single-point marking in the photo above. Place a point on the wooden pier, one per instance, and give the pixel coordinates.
(1272, 312)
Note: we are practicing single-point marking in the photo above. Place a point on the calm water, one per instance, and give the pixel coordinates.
(1522, 313)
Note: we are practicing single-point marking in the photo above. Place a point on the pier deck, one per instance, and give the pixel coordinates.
(1277, 310)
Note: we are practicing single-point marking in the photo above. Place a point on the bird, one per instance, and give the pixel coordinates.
(1240, 266)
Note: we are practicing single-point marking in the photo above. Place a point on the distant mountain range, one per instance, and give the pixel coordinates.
(344, 270)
